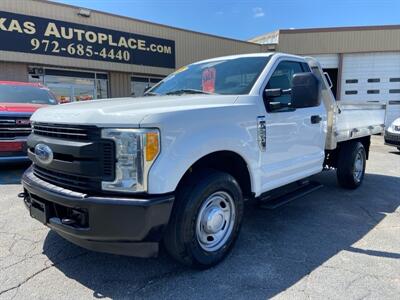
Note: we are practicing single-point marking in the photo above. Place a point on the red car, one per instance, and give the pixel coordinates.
(18, 101)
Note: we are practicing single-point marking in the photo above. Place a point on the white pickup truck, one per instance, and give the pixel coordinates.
(175, 166)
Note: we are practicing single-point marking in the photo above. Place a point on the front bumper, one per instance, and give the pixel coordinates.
(392, 139)
(10, 155)
(127, 226)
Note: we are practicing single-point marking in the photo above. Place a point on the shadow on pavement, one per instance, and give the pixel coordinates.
(11, 173)
(275, 249)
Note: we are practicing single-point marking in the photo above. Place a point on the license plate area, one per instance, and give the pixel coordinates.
(39, 211)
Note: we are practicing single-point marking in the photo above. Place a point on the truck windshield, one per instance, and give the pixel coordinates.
(226, 76)
(25, 94)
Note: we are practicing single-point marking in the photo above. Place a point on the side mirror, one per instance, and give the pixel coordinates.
(305, 90)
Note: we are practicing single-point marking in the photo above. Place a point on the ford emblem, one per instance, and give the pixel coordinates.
(43, 154)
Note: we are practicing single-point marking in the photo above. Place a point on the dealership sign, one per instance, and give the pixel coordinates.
(28, 34)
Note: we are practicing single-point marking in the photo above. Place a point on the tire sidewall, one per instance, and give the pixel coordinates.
(359, 149)
(217, 182)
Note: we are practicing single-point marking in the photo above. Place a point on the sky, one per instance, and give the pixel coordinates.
(241, 19)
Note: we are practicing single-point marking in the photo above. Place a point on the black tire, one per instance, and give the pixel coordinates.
(398, 148)
(181, 240)
(346, 173)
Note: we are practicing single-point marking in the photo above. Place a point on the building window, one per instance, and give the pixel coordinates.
(140, 84)
(71, 85)
(394, 91)
(374, 80)
(351, 80)
(351, 92)
(394, 79)
(373, 92)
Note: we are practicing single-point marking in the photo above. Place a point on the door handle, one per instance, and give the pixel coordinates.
(316, 119)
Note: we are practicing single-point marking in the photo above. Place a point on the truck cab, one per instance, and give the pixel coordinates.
(176, 166)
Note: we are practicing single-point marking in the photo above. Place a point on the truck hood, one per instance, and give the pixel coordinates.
(20, 107)
(126, 111)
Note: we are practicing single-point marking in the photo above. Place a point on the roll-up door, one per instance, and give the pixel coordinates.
(373, 77)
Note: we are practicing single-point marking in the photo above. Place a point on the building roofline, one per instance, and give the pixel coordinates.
(326, 29)
(345, 28)
(147, 22)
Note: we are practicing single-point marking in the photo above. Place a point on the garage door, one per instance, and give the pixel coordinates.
(327, 61)
(373, 77)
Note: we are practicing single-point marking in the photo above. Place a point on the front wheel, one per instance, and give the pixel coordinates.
(351, 165)
(205, 220)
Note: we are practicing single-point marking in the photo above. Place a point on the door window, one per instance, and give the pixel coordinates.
(282, 79)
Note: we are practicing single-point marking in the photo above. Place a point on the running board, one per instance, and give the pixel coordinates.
(288, 194)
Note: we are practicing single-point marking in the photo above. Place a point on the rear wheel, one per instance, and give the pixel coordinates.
(351, 165)
(205, 220)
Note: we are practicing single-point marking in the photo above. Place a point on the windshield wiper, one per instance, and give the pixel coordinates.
(150, 94)
(188, 91)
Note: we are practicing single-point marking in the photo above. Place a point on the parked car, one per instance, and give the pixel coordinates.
(392, 134)
(18, 101)
(123, 176)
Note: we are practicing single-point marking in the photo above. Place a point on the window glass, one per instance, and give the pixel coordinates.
(351, 80)
(228, 76)
(102, 89)
(25, 94)
(352, 92)
(306, 67)
(67, 86)
(373, 92)
(282, 79)
(140, 84)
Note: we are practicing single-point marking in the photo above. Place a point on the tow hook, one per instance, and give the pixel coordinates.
(22, 195)
(25, 196)
(67, 221)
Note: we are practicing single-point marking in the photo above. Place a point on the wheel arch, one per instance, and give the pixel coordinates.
(331, 156)
(224, 161)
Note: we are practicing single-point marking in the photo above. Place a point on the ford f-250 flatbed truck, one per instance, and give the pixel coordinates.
(124, 175)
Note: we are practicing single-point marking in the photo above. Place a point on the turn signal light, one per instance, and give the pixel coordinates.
(152, 145)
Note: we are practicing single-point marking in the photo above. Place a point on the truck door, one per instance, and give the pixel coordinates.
(295, 138)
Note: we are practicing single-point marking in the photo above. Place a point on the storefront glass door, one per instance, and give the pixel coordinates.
(72, 92)
(69, 86)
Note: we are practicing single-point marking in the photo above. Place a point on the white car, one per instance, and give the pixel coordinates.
(392, 134)
(174, 167)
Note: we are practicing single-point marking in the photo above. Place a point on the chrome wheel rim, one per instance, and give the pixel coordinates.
(215, 221)
(358, 167)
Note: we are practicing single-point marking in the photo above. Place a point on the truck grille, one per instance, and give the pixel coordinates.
(65, 180)
(67, 132)
(82, 160)
(392, 138)
(14, 128)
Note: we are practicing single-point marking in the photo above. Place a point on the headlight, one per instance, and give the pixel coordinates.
(135, 152)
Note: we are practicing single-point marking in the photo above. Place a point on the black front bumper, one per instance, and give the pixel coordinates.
(127, 226)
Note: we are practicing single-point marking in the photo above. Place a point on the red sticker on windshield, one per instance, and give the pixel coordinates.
(208, 80)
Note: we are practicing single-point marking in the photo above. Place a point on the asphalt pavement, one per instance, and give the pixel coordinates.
(331, 244)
